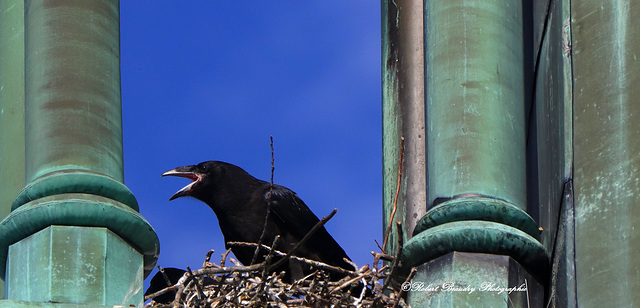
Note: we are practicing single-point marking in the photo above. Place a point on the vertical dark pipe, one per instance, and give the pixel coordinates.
(403, 113)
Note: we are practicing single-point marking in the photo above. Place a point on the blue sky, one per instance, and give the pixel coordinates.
(212, 80)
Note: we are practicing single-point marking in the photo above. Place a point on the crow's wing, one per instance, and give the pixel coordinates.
(298, 219)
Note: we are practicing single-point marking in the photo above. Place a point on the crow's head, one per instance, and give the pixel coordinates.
(207, 177)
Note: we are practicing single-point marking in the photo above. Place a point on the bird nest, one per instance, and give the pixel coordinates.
(217, 285)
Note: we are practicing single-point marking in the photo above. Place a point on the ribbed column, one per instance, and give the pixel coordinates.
(475, 101)
(476, 167)
(73, 113)
(74, 207)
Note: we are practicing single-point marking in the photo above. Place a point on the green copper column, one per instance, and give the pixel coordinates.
(11, 104)
(403, 114)
(606, 78)
(74, 235)
(476, 187)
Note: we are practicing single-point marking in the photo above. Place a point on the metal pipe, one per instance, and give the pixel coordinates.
(72, 110)
(73, 87)
(403, 114)
(475, 102)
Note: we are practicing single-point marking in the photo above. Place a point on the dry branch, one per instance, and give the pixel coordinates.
(266, 216)
(395, 198)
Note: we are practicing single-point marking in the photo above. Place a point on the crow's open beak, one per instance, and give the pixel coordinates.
(185, 172)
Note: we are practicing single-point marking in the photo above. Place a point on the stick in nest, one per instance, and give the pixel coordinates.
(313, 263)
(395, 198)
(266, 216)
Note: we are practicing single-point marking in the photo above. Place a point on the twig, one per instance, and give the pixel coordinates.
(266, 216)
(377, 256)
(180, 286)
(396, 258)
(223, 257)
(395, 198)
(381, 256)
(223, 260)
(235, 262)
(164, 275)
(197, 284)
(267, 260)
(230, 269)
(350, 281)
(364, 291)
(273, 166)
(314, 263)
(355, 266)
(378, 244)
(163, 291)
(207, 259)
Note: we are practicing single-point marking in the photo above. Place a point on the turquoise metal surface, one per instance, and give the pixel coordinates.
(477, 236)
(475, 136)
(73, 165)
(12, 174)
(75, 265)
(73, 110)
(403, 114)
(80, 210)
(475, 100)
(76, 181)
(22, 304)
(605, 48)
(478, 208)
(460, 279)
(550, 136)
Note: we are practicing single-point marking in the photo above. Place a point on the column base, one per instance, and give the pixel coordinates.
(462, 279)
(478, 208)
(81, 265)
(79, 210)
(68, 181)
(479, 237)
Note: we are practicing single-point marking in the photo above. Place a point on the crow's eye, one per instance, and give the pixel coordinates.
(203, 168)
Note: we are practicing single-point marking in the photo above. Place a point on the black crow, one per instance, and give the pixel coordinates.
(240, 202)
